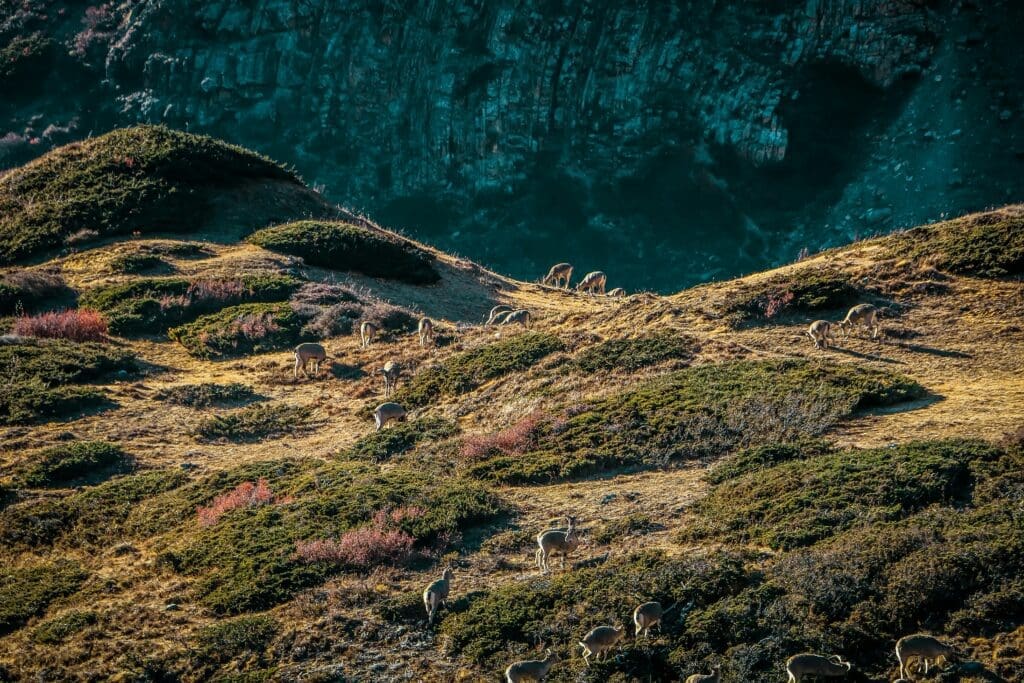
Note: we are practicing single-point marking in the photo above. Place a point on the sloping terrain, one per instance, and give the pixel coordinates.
(177, 505)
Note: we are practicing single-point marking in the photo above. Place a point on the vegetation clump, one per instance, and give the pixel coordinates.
(59, 629)
(631, 355)
(232, 638)
(400, 438)
(26, 591)
(698, 412)
(207, 394)
(66, 464)
(141, 179)
(989, 245)
(344, 246)
(77, 324)
(802, 293)
(32, 290)
(242, 330)
(255, 422)
(468, 370)
(134, 263)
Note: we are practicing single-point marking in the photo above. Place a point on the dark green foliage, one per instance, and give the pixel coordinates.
(57, 362)
(401, 437)
(33, 290)
(32, 401)
(232, 638)
(146, 178)
(152, 305)
(93, 516)
(757, 458)
(247, 561)
(699, 412)
(66, 464)
(59, 629)
(985, 245)
(635, 524)
(207, 394)
(26, 591)
(633, 354)
(806, 291)
(139, 263)
(344, 246)
(468, 370)
(242, 330)
(255, 422)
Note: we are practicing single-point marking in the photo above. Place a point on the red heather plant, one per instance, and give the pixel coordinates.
(215, 290)
(255, 326)
(379, 543)
(517, 439)
(74, 324)
(246, 495)
(777, 303)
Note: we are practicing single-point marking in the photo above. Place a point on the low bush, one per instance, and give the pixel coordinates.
(59, 629)
(515, 440)
(360, 549)
(803, 292)
(982, 245)
(255, 422)
(634, 524)
(30, 290)
(29, 401)
(465, 371)
(758, 458)
(344, 246)
(698, 412)
(72, 324)
(242, 330)
(23, 59)
(56, 362)
(634, 354)
(67, 464)
(230, 638)
(25, 592)
(248, 494)
(401, 437)
(139, 263)
(207, 394)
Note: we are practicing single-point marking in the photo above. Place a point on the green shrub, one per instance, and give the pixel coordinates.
(30, 401)
(241, 330)
(344, 246)
(65, 464)
(230, 638)
(805, 291)
(698, 412)
(33, 290)
(468, 370)
(757, 458)
(59, 629)
(57, 362)
(152, 305)
(146, 178)
(255, 422)
(26, 591)
(139, 263)
(983, 245)
(634, 354)
(401, 437)
(207, 394)
(634, 524)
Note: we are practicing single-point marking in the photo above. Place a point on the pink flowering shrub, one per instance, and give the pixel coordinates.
(379, 543)
(517, 439)
(246, 495)
(74, 324)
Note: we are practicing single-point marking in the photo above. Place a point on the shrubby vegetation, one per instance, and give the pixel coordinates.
(255, 422)
(697, 413)
(634, 354)
(66, 464)
(77, 324)
(207, 394)
(138, 262)
(59, 629)
(984, 245)
(400, 437)
(344, 246)
(242, 330)
(805, 291)
(32, 290)
(468, 370)
(231, 638)
(26, 591)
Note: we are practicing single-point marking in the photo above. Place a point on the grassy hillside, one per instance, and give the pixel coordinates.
(177, 504)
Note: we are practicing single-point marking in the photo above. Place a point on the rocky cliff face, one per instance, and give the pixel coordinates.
(662, 142)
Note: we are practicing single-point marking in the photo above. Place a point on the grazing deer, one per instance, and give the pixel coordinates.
(367, 331)
(531, 669)
(820, 332)
(599, 641)
(923, 647)
(803, 665)
(520, 317)
(556, 541)
(593, 282)
(649, 615)
(425, 330)
(304, 353)
(861, 314)
(391, 371)
(388, 412)
(496, 312)
(559, 272)
(617, 292)
(714, 677)
(436, 593)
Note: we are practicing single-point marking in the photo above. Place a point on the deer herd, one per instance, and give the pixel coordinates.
(561, 542)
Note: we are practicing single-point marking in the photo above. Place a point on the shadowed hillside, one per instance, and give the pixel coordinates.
(177, 504)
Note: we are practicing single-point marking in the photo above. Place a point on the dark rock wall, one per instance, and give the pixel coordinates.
(663, 142)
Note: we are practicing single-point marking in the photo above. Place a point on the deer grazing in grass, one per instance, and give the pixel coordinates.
(593, 282)
(497, 311)
(803, 665)
(820, 332)
(436, 593)
(391, 371)
(306, 353)
(367, 331)
(560, 272)
(520, 317)
(531, 669)
(714, 677)
(923, 647)
(861, 314)
(425, 330)
(599, 641)
(555, 541)
(649, 615)
(388, 412)
(616, 293)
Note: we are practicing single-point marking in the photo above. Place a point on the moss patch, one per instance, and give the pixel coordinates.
(468, 370)
(242, 330)
(344, 246)
(26, 591)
